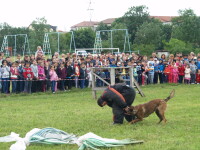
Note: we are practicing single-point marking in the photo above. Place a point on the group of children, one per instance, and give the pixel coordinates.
(35, 73)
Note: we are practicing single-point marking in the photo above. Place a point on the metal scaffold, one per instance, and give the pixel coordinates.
(98, 41)
(6, 47)
(47, 46)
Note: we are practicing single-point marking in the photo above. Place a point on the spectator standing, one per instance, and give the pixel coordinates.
(151, 73)
(62, 76)
(5, 75)
(41, 78)
(82, 76)
(28, 76)
(193, 69)
(187, 76)
(34, 68)
(198, 77)
(53, 78)
(161, 68)
(21, 77)
(14, 77)
(76, 73)
(181, 73)
(69, 75)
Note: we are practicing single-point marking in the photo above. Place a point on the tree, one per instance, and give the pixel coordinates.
(150, 34)
(187, 27)
(37, 30)
(134, 18)
(178, 46)
(84, 38)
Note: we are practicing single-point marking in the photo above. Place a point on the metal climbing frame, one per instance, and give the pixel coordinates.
(47, 45)
(5, 45)
(98, 41)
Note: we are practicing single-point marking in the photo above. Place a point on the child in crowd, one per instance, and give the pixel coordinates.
(34, 68)
(151, 73)
(181, 73)
(193, 69)
(76, 73)
(161, 68)
(187, 76)
(198, 77)
(69, 75)
(41, 77)
(135, 75)
(82, 76)
(174, 73)
(62, 75)
(14, 77)
(155, 80)
(53, 78)
(28, 77)
(5, 75)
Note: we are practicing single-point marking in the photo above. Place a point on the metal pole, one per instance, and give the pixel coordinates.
(111, 39)
(58, 42)
(70, 46)
(15, 46)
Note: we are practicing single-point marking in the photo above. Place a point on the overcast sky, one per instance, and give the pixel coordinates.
(66, 13)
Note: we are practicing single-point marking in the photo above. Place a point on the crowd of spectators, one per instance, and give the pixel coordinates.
(40, 73)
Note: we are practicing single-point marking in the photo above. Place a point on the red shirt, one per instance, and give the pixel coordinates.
(181, 70)
(27, 73)
(198, 78)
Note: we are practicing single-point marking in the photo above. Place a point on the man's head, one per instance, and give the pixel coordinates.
(101, 102)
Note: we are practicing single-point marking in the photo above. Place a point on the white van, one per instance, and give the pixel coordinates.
(81, 52)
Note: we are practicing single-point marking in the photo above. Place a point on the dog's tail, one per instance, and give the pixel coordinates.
(170, 96)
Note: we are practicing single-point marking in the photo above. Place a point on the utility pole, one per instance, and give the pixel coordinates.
(90, 9)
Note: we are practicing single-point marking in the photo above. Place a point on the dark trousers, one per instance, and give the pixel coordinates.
(5, 85)
(140, 79)
(41, 85)
(20, 85)
(118, 115)
(155, 79)
(27, 86)
(161, 77)
(53, 86)
(82, 83)
(180, 80)
(193, 78)
(14, 85)
(69, 83)
(62, 84)
(35, 86)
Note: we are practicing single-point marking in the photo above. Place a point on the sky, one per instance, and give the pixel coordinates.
(66, 13)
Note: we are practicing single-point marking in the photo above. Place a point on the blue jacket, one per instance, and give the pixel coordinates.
(161, 67)
(198, 64)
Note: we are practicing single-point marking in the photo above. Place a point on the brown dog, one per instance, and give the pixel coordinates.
(144, 110)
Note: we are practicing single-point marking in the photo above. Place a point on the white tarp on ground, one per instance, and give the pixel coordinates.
(56, 136)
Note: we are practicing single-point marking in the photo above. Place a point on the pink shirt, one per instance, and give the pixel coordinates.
(41, 73)
(53, 75)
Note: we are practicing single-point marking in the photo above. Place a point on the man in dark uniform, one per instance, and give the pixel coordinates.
(119, 97)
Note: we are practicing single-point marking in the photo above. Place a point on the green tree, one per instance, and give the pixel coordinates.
(186, 27)
(37, 30)
(84, 38)
(150, 34)
(177, 46)
(134, 18)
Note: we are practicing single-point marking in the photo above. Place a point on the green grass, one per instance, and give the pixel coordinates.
(76, 112)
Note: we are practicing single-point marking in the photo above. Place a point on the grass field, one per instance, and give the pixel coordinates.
(76, 112)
